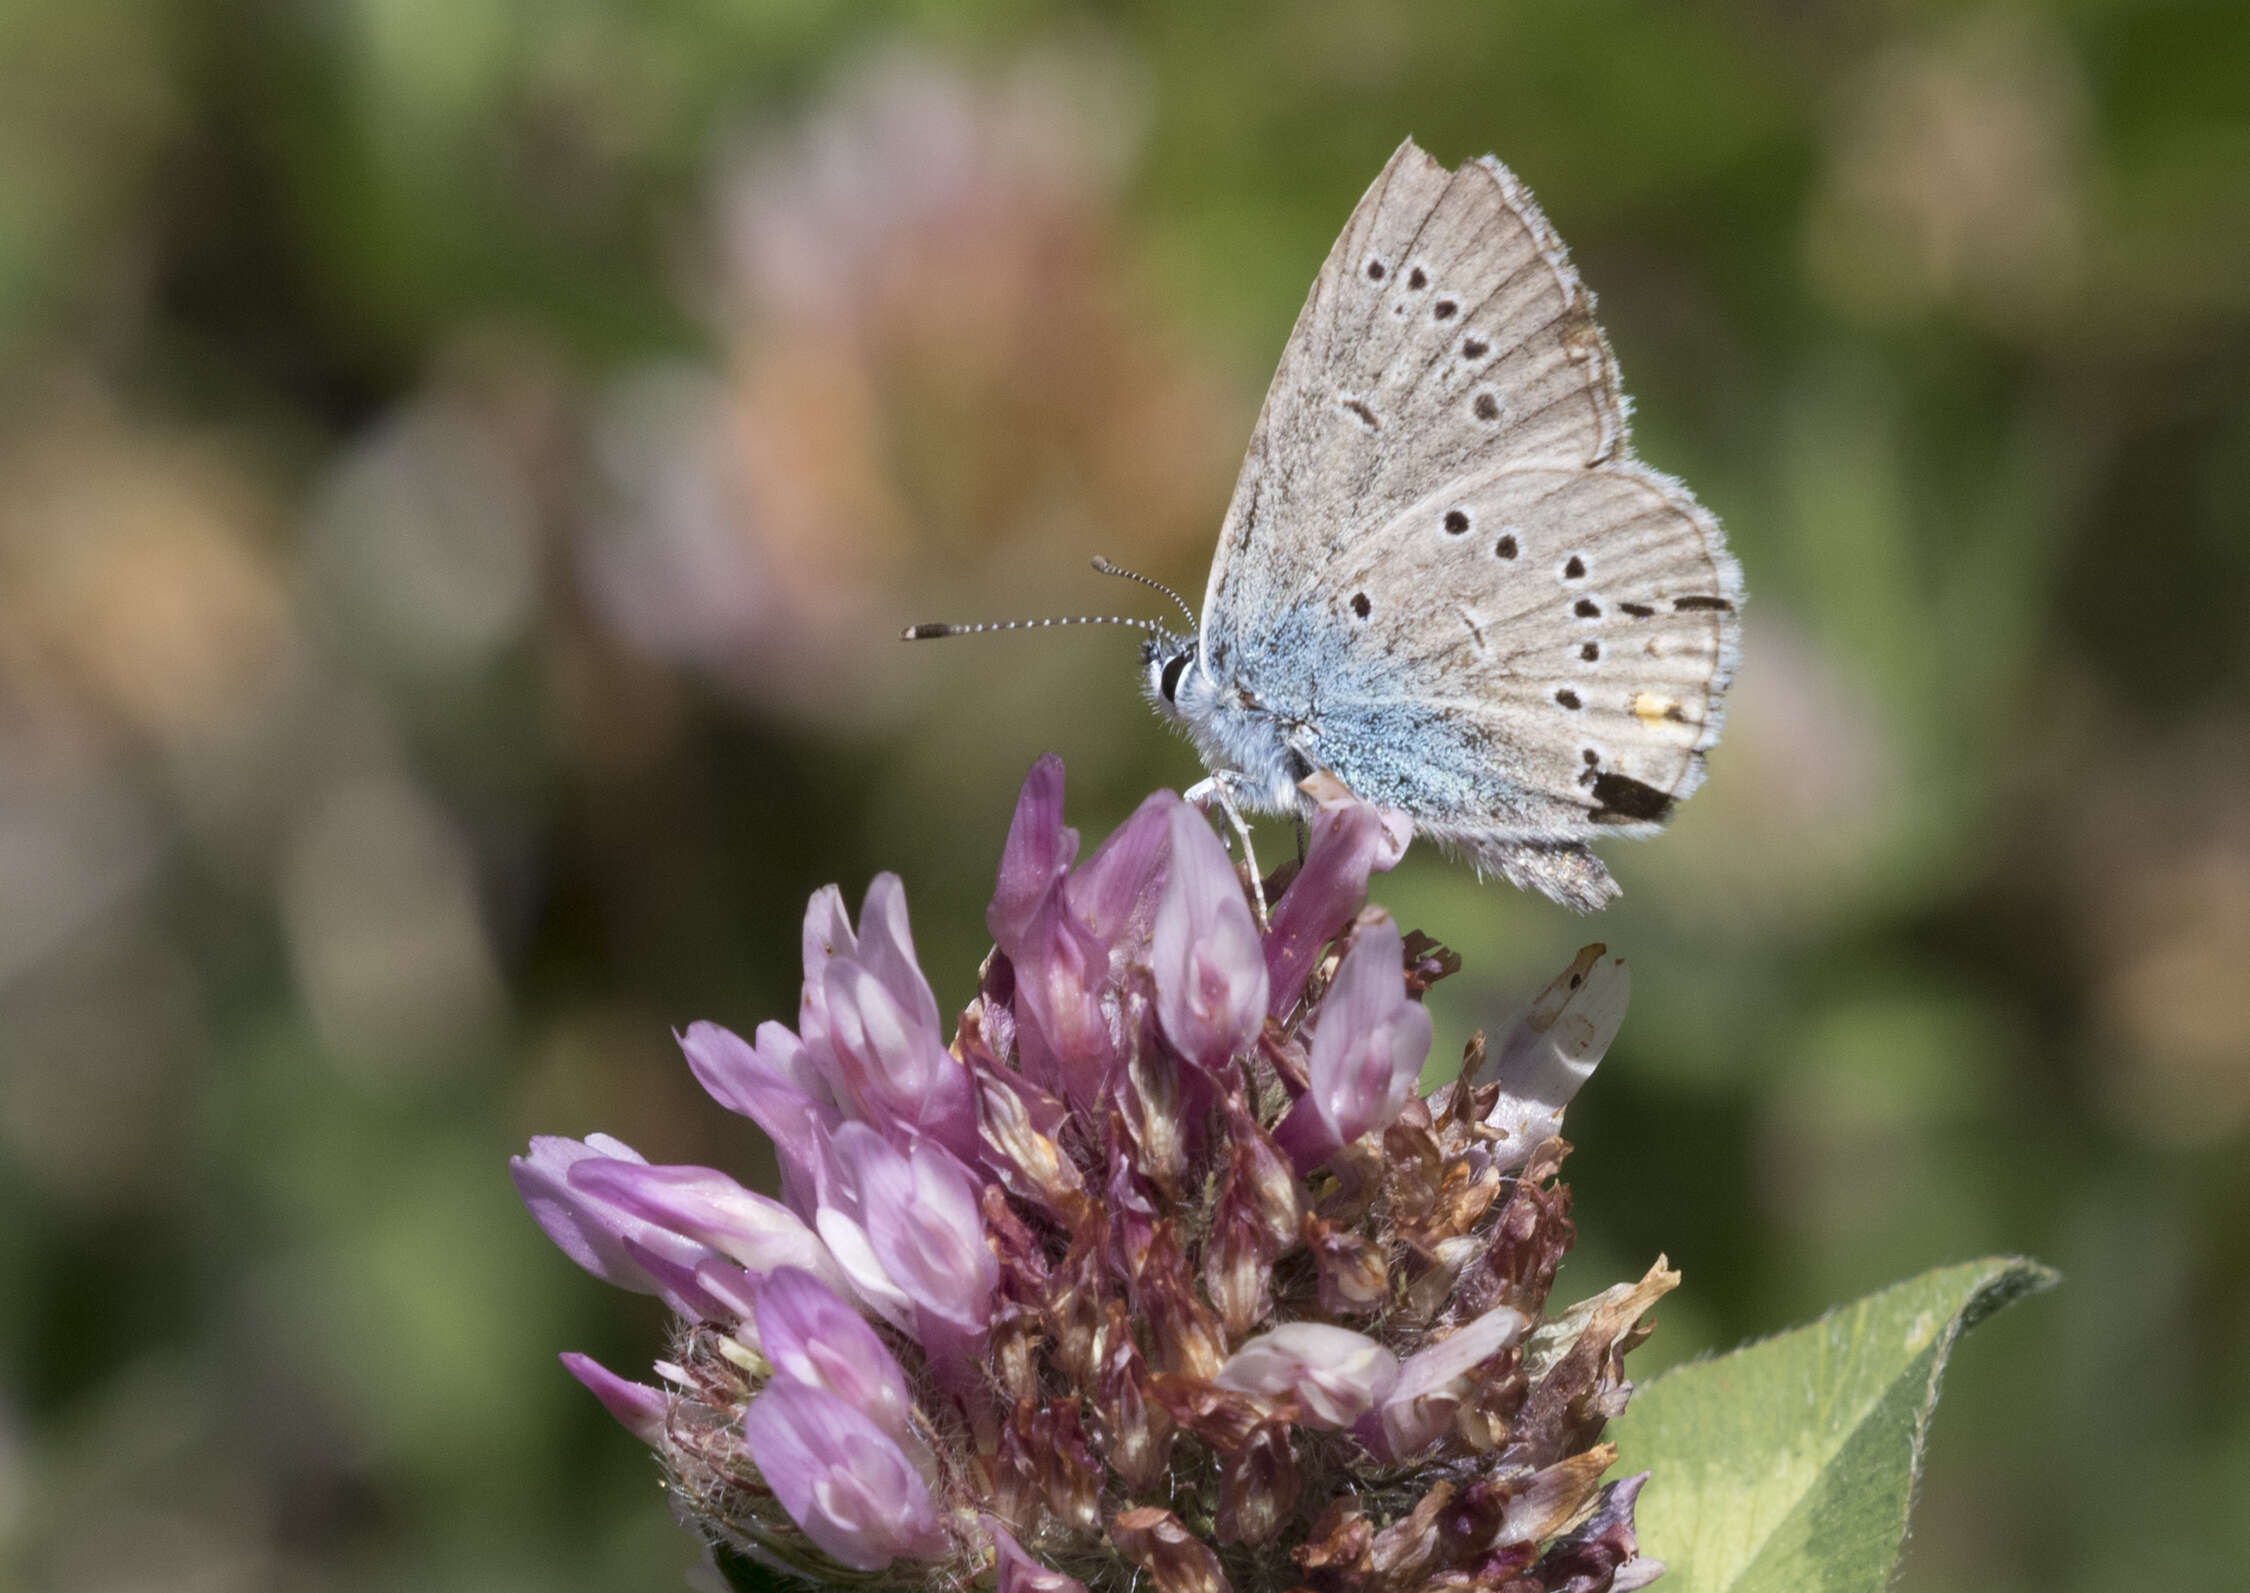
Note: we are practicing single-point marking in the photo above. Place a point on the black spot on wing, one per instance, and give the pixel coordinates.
(1637, 610)
(1717, 604)
(1622, 799)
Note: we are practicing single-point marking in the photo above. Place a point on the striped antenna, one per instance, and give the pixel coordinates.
(1106, 568)
(925, 633)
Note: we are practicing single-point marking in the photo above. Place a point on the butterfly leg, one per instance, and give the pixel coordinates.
(1218, 790)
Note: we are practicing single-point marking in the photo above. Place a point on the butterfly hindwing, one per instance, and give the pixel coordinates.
(1580, 624)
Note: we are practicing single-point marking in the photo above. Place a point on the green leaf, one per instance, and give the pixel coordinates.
(1789, 1465)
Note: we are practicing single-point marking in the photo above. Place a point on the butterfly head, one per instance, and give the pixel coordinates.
(1173, 677)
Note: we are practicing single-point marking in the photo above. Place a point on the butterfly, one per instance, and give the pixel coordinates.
(1444, 578)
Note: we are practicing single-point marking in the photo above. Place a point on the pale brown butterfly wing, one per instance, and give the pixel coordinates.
(1446, 332)
(1585, 620)
(1443, 575)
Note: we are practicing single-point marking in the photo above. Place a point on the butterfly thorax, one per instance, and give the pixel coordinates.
(1240, 738)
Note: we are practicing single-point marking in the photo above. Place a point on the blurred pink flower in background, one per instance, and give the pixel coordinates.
(930, 356)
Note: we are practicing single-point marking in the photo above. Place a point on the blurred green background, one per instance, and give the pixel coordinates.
(463, 464)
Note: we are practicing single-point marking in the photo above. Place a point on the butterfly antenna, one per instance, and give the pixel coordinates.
(924, 633)
(1107, 568)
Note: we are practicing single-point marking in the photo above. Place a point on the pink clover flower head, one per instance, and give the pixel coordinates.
(1163, 1219)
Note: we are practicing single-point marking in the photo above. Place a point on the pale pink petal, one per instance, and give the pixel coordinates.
(1420, 1405)
(1333, 1374)
(1368, 1047)
(1038, 854)
(1348, 840)
(811, 1335)
(639, 1409)
(1209, 969)
(842, 1479)
(1018, 1572)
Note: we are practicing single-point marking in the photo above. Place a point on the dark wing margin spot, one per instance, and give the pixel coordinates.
(1719, 604)
(1622, 799)
(1637, 610)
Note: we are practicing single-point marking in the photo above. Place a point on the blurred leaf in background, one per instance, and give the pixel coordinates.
(463, 467)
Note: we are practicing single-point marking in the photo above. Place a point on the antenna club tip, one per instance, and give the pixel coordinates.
(923, 633)
(1104, 566)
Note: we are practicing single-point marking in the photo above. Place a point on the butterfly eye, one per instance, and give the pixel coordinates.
(1170, 684)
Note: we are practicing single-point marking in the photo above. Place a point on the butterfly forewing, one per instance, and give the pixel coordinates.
(1445, 333)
